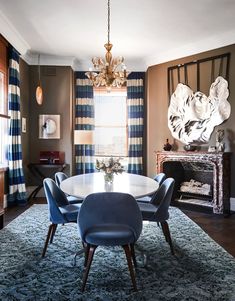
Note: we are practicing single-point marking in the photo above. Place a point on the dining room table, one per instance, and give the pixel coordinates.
(82, 185)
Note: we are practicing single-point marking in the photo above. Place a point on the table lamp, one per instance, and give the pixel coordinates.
(83, 137)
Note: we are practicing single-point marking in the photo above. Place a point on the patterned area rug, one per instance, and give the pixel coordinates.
(201, 269)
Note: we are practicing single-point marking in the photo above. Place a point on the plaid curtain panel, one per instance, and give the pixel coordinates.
(17, 190)
(84, 120)
(135, 108)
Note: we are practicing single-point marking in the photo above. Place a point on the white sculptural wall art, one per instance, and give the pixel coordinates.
(193, 116)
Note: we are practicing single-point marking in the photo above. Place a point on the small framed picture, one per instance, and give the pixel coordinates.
(49, 126)
(23, 125)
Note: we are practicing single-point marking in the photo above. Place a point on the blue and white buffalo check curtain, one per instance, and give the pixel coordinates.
(17, 190)
(84, 120)
(135, 108)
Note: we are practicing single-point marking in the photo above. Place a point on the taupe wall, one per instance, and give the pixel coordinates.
(57, 84)
(157, 106)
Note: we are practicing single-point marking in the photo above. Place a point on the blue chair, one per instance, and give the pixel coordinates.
(60, 211)
(109, 219)
(157, 209)
(61, 176)
(158, 178)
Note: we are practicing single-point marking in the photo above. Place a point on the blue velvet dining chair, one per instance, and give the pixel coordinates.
(109, 219)
(157, 210)
(61, 176)
(158, 178)
(60, 210)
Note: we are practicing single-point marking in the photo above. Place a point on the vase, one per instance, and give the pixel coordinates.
(108, 177)
(167, 146)
(190, 147)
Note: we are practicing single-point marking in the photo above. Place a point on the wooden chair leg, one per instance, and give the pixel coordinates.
(89, 261)
(47, 239)
(164, 232)
(87, 250)
(130, 265)
(167, 234)
(53, 232)
(133, 254)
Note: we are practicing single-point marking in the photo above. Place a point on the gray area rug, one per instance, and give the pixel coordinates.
(201, 269)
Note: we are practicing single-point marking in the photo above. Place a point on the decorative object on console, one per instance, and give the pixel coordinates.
(52, 157)
(111, 72)
(167, 146)
(193, 116)
(109, 167)
(49, 126)
(219, 136)
(39, 93)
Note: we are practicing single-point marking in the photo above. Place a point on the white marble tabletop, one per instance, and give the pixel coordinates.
(83, 185)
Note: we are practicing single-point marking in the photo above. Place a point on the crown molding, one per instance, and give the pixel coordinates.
(214, 42)
(12, 35)
(48, 60)
(31, 58)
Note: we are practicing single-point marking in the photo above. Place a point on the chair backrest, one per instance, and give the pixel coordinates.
(162, 199)
(160, 178)
(55, 199)
(110, 208)
(60, 177)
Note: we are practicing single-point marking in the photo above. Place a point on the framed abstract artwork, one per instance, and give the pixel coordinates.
(49, 126)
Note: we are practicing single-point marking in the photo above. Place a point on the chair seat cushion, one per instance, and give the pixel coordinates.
(144, 199)
(70, 212)
(73, 200)
(110, 235)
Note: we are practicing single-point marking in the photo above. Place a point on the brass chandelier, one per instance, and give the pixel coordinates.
(111, 72)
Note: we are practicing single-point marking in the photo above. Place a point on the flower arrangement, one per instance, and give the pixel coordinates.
(110, 166)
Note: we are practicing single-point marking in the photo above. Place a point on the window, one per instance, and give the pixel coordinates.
(3, 102)
(111, 123)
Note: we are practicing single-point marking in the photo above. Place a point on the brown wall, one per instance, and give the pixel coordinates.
(57, 85)
(157, 106)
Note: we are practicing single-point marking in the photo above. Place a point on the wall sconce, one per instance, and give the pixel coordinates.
(39, 93)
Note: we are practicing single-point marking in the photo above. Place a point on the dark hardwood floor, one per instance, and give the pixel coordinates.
(219, 228)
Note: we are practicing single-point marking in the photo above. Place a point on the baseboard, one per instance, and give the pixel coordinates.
(232, 204)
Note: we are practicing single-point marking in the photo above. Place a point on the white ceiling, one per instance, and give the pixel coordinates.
(145, 32)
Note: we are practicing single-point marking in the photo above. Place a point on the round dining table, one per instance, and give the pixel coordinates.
(82, 185)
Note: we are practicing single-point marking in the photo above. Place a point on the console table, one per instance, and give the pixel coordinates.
(219, 164)
(2, 175)
(42, 171)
